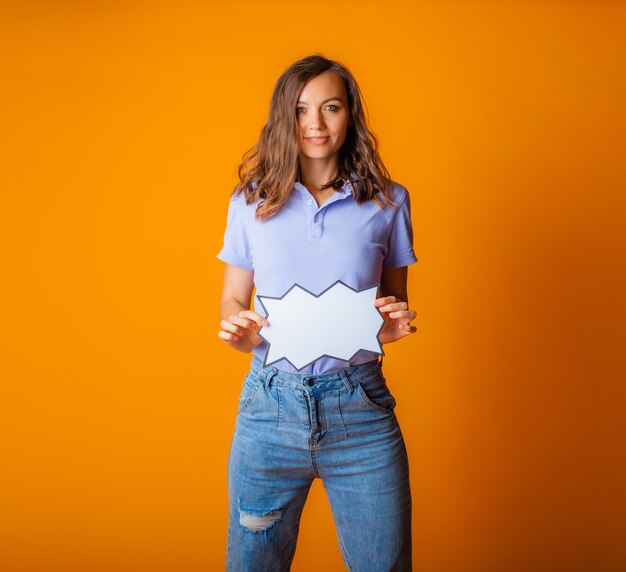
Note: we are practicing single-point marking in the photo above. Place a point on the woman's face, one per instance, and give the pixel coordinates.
(322, 116)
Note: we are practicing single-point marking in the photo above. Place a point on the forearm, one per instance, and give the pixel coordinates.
(394, 283)
(231, 307)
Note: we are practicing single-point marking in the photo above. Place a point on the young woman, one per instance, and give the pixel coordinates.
(314, 205)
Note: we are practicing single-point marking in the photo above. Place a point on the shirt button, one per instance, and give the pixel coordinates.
(309, 202)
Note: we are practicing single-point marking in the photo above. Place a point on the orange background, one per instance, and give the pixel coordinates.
(122, 127)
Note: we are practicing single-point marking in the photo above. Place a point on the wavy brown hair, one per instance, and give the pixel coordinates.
(270, 168)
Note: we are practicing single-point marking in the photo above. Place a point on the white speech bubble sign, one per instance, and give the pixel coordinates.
(336, 323)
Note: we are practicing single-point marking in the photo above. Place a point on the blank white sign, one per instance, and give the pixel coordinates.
(336, 323)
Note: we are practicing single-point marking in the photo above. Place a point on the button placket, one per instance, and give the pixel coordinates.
(316, 229)
(315, 226)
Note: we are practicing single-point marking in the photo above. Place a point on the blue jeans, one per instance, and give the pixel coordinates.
(341, 427)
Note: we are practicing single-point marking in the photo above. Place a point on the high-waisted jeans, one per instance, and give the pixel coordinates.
(340, 427)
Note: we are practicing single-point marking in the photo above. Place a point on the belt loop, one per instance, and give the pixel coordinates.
(347, 382)
(268, 378)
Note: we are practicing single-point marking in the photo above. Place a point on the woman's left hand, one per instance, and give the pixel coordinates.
(397, 319)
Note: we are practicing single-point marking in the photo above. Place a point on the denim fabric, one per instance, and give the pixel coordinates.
(340, 427)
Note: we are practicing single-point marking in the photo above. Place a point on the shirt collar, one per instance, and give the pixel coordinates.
(345, 189)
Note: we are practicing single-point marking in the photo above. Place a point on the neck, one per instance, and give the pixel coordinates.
(316, 173)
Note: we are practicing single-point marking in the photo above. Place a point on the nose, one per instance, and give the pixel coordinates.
(317, 121)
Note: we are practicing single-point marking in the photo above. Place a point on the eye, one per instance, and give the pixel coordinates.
(335, 108)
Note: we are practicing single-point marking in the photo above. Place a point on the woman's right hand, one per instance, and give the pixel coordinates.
(239, 331)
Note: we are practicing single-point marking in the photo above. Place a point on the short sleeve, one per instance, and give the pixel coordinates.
(236, 249)
(400, 243)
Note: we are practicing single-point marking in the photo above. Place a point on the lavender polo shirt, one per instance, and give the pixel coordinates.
(316, 246)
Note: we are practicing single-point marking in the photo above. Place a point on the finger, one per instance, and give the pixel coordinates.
(245, 322)
(233, 327)
(410, 314)
(397, 306)
(227, 336)
(252, 315)
(385, 300)
(230, 327)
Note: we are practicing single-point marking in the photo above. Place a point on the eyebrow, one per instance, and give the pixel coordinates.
(325, 101)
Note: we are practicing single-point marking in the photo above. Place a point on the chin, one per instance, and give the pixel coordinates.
(318, 156)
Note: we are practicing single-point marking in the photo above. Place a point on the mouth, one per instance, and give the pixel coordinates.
(317, 140)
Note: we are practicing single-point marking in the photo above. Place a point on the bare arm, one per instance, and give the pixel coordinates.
(236, 290)
(393, 282)
(239, 322)
(394, 305)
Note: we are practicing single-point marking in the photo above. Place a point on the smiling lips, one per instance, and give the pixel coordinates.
(316, 140)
